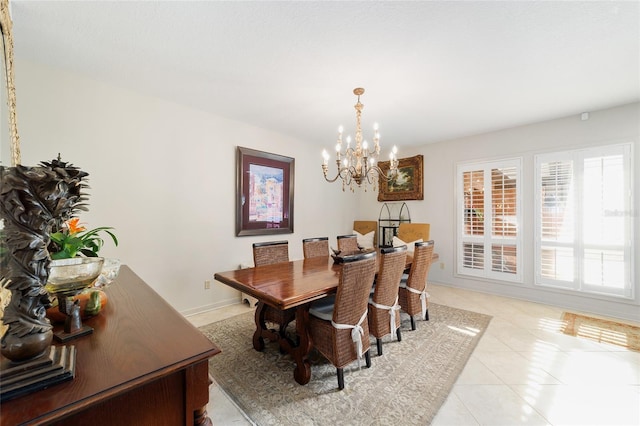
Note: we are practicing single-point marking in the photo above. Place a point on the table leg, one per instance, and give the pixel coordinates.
(300, 353)
(258, 340)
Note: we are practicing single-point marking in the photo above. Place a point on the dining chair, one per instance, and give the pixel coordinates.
(267, 253)
(270, 252)
(408, 232)
(364, 227)
(412, 292)
(340, 331)
(315, 247)
(348, 243)
(384, 310)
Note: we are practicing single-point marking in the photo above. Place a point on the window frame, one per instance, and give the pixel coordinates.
(487, 220)
(578, 245)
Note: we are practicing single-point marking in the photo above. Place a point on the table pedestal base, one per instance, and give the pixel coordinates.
(299, 351)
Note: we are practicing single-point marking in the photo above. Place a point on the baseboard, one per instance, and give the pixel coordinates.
(210, 307)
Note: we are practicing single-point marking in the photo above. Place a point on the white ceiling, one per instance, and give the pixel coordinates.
(432, 70)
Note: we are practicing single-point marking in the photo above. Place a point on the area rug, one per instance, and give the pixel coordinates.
(406, 385)
(602, 330)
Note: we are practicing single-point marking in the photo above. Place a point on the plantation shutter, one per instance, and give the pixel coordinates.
(489, 212)
(583, 227)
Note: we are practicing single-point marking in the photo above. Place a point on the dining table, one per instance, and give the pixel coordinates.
(286, 286)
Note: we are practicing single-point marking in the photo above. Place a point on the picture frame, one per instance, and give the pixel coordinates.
(264, 193)
(407, 185)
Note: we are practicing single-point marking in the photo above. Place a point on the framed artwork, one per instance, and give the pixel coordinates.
(407, 185)
(264, 193)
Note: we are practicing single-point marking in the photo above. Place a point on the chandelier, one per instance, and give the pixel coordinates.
(359, 164)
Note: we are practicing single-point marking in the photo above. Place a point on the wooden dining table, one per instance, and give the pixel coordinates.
(285, 286)
(288, 286)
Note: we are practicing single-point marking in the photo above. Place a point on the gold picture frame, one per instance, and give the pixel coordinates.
(407, 185)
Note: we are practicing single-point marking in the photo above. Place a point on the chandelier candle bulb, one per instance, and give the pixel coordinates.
(325, 156)
(358, 165)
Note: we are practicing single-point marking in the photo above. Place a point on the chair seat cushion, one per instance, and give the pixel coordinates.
(403, 280)
(323, 308)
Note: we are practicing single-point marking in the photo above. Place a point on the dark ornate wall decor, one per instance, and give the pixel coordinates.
(408, 183)
(32, 201)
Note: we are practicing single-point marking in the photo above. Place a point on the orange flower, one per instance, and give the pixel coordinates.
(74, 226)
(74, 240)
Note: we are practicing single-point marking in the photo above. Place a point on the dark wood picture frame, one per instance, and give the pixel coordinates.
(264, 193)
(409, 183)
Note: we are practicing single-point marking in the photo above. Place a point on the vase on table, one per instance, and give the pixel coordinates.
(67, 278)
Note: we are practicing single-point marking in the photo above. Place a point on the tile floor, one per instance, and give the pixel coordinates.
(522, 372)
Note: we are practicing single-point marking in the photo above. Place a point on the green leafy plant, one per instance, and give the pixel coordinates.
(74, 240)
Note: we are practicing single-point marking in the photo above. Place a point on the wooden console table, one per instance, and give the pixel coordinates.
(144, 364)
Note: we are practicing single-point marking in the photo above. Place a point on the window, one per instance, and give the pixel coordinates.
(489, 237)
(583, 220)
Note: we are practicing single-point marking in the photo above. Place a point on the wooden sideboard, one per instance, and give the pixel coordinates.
(144, 364)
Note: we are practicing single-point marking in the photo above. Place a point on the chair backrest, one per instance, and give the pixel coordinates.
(270, 252)
(347, 243)
(315, 247)
(420, 265)
(392, 262)
(354, 286)
(366, 226)
(409, 232)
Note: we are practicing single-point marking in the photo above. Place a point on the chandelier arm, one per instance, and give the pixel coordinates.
(386, 177)
(325, 171)
(351, 171)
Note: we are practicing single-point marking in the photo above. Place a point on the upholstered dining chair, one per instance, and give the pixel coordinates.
(384, 310)
(409, 232)
(340, 331)
(347, 243)
(315, 247)
(412, 292)
(268, 253)
(364, 227)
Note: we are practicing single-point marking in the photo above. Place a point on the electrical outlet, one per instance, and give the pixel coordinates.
(441, 265)
(207, 285)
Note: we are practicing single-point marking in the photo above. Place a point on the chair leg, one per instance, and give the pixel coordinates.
(413, 323)
(340, 378)
(367, 357)
(399, 334)
(379, 344)
(426, 315)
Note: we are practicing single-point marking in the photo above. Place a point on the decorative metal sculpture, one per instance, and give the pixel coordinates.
(32, 201)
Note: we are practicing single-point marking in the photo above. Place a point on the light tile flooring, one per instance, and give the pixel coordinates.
(522, 372)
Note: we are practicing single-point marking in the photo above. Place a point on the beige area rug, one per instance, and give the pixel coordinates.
(602, 330)
(405, 386)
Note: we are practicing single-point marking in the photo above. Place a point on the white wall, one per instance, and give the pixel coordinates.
(163, 175)
(620, 124)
